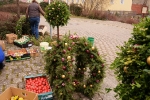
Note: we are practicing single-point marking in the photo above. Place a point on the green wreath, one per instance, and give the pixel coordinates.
(74, 65)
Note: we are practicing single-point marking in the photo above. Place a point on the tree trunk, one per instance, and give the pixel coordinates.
(18, 9)
(57, 32)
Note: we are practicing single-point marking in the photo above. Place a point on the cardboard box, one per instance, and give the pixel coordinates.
(11, 91)
(33, 52)
(42, 29)
(11, 37)
(2, 44)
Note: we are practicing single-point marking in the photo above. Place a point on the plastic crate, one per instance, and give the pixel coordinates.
(45, 96)
(25, 56)
(26, 45)
(42, 96)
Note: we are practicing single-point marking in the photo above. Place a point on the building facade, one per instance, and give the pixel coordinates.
(119, 5)
(138, 5)
(112, 5)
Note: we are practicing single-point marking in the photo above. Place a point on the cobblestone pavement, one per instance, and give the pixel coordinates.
(107, 34)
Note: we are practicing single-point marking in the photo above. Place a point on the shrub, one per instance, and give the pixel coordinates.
(2, 3)
(22, 27)
(7, 26)
(132, 65)
(128, 20)
(13, 9)
(76, 9)
(57, 14)
(112, 17)
(94, 14)
(45, 38)
(84, 13)
(43, 5)
(131, 21)
(3, 30)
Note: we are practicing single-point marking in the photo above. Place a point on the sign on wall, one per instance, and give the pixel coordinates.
(144, 9)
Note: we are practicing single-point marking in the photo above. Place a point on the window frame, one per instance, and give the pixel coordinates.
(111, 1)
(122, 1)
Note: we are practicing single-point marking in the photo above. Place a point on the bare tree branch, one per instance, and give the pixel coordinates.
(90, 5)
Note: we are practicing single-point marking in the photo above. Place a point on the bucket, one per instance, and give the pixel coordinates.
(91, 40)
(44, 46)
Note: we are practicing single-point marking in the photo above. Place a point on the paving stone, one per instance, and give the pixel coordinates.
(17, 80)
(36, 67)
(11, 85)
(40, 71)
(27, 69)
(21, 85)
(32, 72)
(38, 63)
(6, 82)
(18, 63)
(26, 62)
(22, 75)
(13, 67)
(1, 89)
(10, 76)
(2, 77)
(16, 71)
(22, 66)
(9, 63)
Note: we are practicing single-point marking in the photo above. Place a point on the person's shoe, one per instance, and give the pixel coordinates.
(2, 66)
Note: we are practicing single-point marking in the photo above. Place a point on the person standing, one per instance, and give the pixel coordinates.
(33, 12)
(2, 58)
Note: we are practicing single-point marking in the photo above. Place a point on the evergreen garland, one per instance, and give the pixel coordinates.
(74, 65)
(132, 65)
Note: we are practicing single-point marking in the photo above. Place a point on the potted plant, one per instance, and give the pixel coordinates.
(57, 14)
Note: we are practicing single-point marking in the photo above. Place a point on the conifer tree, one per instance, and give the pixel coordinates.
(132, 65)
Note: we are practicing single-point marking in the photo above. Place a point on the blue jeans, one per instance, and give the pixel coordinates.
(34, 23)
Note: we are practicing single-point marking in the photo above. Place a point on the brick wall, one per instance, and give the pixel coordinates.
(137, 8)
(141, 2)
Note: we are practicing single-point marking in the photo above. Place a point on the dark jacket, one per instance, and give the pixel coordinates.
(34, 10)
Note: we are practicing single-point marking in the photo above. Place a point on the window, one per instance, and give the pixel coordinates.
(122, 1)
(111, 1)
(83, 1)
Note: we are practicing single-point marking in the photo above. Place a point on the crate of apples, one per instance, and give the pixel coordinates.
(40, 85)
